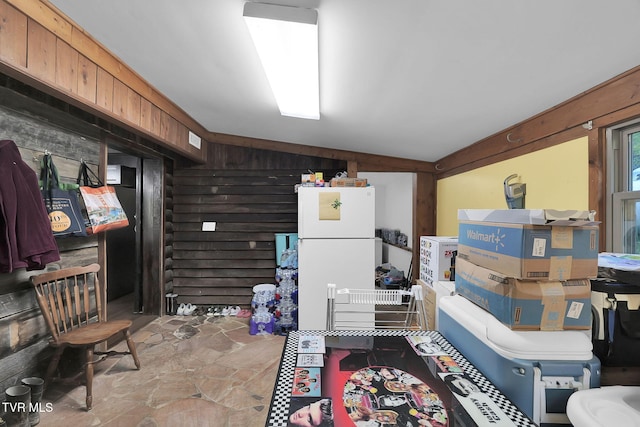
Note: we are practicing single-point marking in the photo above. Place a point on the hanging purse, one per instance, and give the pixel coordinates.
(61, 201)
(104, 210)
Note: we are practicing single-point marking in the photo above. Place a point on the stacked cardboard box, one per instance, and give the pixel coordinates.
(348, 182)
(437, 263)
(529, 268)
(436, 256)
(431, 299)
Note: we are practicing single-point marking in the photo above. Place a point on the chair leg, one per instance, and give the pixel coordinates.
(132, 348)
(89, 376)
(53, 364)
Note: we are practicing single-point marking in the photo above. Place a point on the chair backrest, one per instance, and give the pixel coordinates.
(69, 298)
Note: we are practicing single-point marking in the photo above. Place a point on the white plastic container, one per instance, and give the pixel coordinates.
(607, 406)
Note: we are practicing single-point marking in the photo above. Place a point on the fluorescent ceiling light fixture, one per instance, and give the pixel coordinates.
(286, 39)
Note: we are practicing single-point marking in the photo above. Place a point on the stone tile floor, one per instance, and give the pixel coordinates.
(196, 371)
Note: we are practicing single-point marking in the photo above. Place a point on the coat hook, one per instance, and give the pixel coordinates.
(438, 167)
(513, 140)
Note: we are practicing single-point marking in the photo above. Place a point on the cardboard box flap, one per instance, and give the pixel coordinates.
(572, 218)
(443, 239)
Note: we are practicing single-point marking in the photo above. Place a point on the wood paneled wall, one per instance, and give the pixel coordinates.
(250, 195)
(23, 333)
(40, 46)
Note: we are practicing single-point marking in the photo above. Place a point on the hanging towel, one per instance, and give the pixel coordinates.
(26, 239)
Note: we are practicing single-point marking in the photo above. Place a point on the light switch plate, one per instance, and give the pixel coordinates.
(209, 226)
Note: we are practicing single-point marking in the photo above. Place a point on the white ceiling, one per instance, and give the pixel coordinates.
(417, 79)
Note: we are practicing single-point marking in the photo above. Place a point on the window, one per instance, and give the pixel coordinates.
(624, 187)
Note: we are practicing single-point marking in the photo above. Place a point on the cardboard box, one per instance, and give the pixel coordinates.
(524, 251)
(530, 216)
(429, 301)
(431, 297)
(308, 178)
(435, 258)
(348, 182)
(526, 304)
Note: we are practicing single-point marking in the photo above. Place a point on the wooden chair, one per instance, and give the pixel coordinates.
(71, 303)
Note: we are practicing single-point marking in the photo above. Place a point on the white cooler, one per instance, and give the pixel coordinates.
(537, 370)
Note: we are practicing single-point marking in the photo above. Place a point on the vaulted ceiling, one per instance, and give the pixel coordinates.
(416, 79)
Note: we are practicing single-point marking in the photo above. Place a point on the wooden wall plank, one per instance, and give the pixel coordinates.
(120, 104)
(104, 89)
(208, 266)
(228, 208)
(598, 180)
(234, 189)
(87, 79)
(208, 282)
(13, 36)
(192, 245)
(253, 217)
(156, 114)
(145, 114)
(424, 214)
(66, 67)
(168, 126)
(41, 53)
(225, 255)
(182, 135)
(238, 199)
(133, 109)
(41, 13)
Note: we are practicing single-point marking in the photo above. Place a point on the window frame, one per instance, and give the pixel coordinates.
(619, 186)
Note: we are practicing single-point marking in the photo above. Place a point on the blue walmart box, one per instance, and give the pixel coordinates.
(526, 304)
(527, 251)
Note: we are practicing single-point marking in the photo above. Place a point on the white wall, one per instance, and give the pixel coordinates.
(394, 210)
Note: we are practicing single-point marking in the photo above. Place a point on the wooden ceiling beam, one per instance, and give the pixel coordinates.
(365, 162)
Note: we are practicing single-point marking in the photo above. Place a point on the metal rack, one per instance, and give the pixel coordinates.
(356, 309)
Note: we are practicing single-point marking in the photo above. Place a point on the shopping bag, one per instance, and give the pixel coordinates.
(104, 210)
(61, 201)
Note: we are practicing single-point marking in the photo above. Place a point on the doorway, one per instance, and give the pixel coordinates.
(134, 254)
(123, 244)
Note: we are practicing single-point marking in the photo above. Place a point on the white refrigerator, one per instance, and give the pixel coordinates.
(336, 244)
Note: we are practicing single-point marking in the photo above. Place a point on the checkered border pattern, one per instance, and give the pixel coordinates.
(281, 399)
(519, 419)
